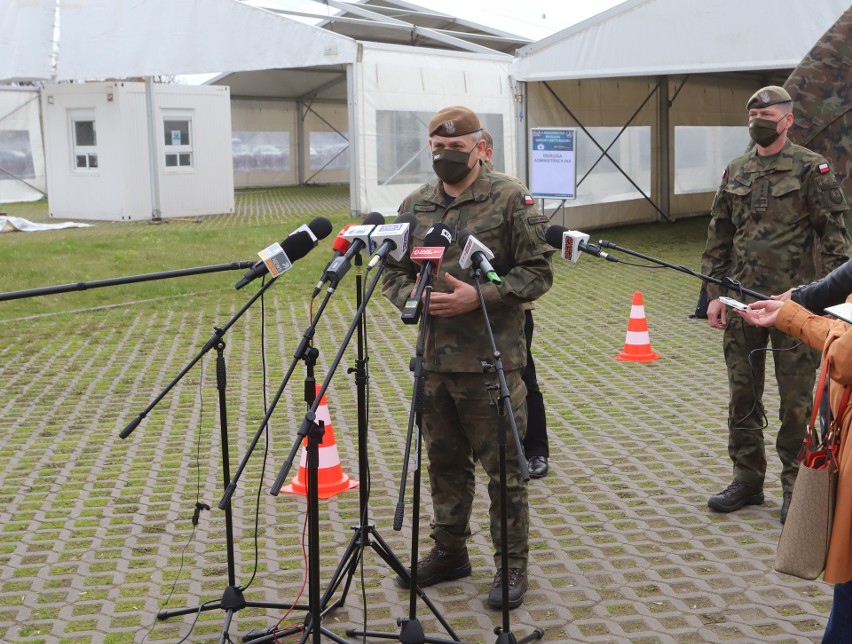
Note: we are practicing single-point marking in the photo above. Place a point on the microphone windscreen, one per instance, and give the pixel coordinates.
(438, 235)
(407, 218)
(297, 245)
(320, 227)
(553, 236)
(463, 240)
(341, 244)
(374, 219)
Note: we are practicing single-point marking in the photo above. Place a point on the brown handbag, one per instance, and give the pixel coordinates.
(803, 546)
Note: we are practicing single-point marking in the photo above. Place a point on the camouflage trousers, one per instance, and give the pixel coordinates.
(795, 371)
(460, 425)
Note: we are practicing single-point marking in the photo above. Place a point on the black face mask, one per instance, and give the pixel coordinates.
(763, 131)
(451, 165)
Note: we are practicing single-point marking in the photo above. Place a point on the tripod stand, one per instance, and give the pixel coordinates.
(365, 534)
(319, 606)
(504, 402)
(232, 599)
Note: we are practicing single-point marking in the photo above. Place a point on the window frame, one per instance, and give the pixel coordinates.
(182, 149)
(88, 151)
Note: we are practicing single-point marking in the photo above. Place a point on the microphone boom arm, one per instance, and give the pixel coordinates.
(725, 282)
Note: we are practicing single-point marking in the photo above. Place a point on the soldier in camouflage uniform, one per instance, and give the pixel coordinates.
(459, 422)
(773, 204)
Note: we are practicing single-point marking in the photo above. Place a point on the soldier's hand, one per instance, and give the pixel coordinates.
(463, 299)
(717, 314)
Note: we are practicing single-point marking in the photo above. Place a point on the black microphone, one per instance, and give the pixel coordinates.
(294, 247)
(475, 252)
(394, 239)
(437, 239)
(571, 242)
(340, 246)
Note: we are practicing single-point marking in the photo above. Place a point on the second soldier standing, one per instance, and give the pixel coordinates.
(774, 203)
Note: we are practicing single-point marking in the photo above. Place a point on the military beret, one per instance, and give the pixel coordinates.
(454, 121)
(769, 95)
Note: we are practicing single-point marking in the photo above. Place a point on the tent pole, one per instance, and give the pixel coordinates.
(354, 142)
(153, 166)
(664, 141)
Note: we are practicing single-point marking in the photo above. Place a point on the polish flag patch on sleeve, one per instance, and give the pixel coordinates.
(823, 168)
(528, 200)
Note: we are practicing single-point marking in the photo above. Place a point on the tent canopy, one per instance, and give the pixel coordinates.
(699, 37)
(108, 39)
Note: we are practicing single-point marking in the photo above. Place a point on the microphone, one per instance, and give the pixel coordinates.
(438, 238)
(571, 242)
(475, 252)
(355, 238)
(394, 239)
(340, 246)
(359, 236)
(278, 258)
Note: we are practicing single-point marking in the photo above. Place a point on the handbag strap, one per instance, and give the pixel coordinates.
(818, 396)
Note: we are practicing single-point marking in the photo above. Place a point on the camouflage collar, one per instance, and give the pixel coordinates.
(779, 162)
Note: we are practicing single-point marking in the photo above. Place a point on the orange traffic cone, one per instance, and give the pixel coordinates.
(330, 477)
(637, 345)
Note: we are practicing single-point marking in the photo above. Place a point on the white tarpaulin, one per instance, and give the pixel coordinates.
(20, 225)
(26, 39)
(22, 168)
(667, 37)
(126, 38)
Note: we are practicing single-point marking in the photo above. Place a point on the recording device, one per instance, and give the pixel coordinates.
(437, 239)
(392, 239)
(572, 242)
(278, 258)
(475, 252)
(340, 246)
(358, 237)
(734, 304)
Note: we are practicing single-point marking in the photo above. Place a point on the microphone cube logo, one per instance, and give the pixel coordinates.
(568, 247)
(426, 254)
(276, 259)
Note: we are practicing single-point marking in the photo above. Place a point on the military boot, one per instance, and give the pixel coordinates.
(517, 588)
(439, 565)
(735, 496)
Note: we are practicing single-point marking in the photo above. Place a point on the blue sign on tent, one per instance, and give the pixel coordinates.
(553, 172)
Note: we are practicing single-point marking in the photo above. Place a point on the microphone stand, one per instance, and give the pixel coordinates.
(411, 630)
(504, 403)
(117, 281)
(313, 431)
(725, 282)
(232, 598)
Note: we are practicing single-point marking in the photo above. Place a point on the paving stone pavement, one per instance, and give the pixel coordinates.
(97, 532)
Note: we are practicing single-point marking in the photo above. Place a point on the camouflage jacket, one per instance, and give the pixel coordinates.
(501, 215)
(766, 217)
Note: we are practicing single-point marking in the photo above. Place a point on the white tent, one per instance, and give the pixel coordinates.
(107, 39)
(124, 38)
(364, 122)
(654, 80)
(22, 176)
